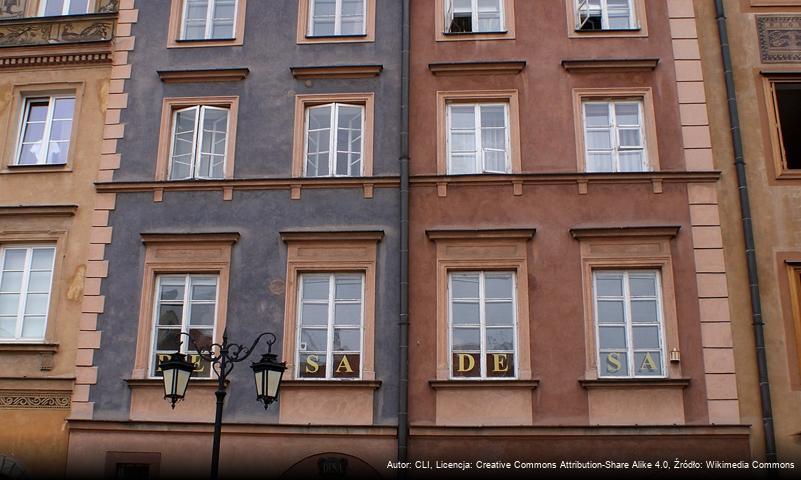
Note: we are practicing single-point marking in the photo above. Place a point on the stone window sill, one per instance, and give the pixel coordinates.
(28, 347)
(634, 382)
(367, 384)
(522, 384)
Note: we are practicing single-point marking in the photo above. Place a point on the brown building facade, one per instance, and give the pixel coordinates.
(55, 63)
(568, 286)
(766, 66)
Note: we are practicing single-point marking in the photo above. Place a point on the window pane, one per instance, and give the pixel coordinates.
(463, 164)
(183, 144)
(628, 114)
(648, 363)
(9, 304)
(313, 340)
(318, 138)
(202, 314)
(36, 304)
(630, 138)
(347, 340)
(463, 141)
(500, 339)
(613, 364)
(646, 337)
(352, 26)
(202, 337)
(611, 338)
(42, 259)
(60, 130)
(33, 132)
(788, 106)
(312, 365)
(599, 162)
(632, 161)
(31, 154)
(464, 285)
(643, 311)
(39, 282)
(466, 339)
(315, 287)
(11, 282)
(57, 153)
(465, 313)
(463, 117)
(33, 327)
(642, 285)
(599, 139)
(172, 291)
(348, 287)
(347, 314)
(498, 285)
(14, 259)
(201, 291)
(596, 115)
(610, 311)
(619, 20)
(500, 313)
(64, 108)
(8, 327)
(53, 7)
(314, 314)
(168, 339)
(170, 314)
(214, 141)
(349, 140)
(195, 20)
(609, 285)
(352, 7)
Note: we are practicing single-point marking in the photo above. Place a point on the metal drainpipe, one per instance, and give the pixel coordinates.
(403, 400)
(750, 251)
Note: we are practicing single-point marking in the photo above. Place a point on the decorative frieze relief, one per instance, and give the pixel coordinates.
(57, 30)
(36, 400)
(779, 38)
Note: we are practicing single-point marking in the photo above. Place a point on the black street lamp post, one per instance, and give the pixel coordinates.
(268, 372)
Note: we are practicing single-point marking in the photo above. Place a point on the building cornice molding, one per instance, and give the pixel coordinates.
(669, 231)
(205, 75)
(336, 71)
(615, 65)
(501, 67)
(503, 233)
(341, 235)
(38, 210)
(210, 237)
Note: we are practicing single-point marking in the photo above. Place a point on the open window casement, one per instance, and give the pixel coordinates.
(582, 14)
(199, 143)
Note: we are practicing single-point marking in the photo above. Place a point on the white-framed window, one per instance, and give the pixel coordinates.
(593, 15)
(26, 279)
(53, 8)
(482, 313)
(478, 138)
(629, 323)
(614, 136)
(209, 19)
(199, 143)
(184, 304)
(474, 16)
(45, 130)
(334, 140)
(337, 17)
(330, 326)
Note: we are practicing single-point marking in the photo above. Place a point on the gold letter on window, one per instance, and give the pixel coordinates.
(311, 364)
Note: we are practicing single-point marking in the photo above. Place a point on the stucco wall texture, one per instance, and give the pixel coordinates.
(263, 150)
(776, 207)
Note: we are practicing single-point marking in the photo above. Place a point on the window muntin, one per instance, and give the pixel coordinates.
(629, 323)
(478, 138)
(330, 325)
(474, 16)
(26, 279)
(199, 143)
(51, 8)
(614, 137)
(482, 318)
(788, 114)
(334, 145)
(329, 18)
(209, 19)
(594, 15)
(45, 131)
(184, 304)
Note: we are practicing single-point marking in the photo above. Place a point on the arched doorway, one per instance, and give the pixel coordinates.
(11, 469)
(331, 466)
